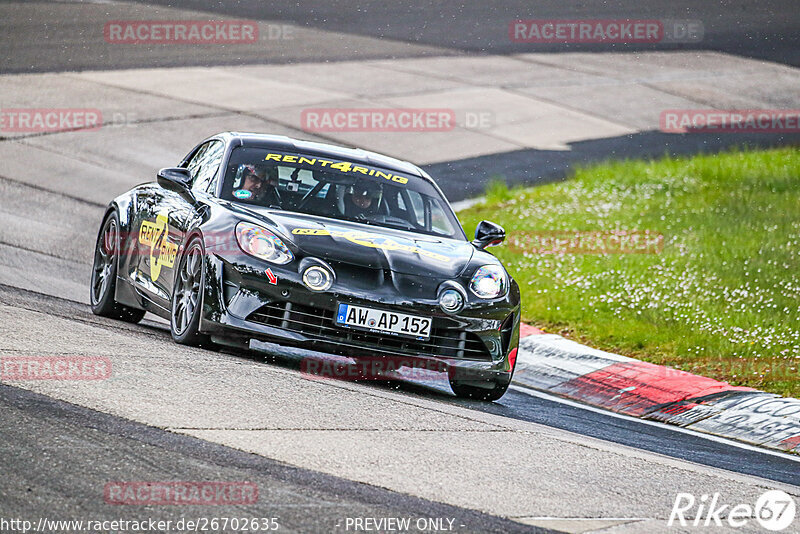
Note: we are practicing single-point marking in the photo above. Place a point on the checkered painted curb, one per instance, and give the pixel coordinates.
(552, 363)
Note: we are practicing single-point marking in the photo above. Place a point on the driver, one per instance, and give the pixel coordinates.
(259, 184)
(363, 201)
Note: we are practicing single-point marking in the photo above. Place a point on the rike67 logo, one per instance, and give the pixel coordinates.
(774, 510)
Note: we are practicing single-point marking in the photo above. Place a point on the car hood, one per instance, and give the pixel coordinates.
(372, 246)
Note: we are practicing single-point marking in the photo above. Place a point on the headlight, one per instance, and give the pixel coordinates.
(489, 282)
(263, 244)
(317, 278)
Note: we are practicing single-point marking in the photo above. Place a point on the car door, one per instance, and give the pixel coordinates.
(167, 217)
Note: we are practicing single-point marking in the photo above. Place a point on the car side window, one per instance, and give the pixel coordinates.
(439, 221)
(194, 162)
(214, 158)
(204, 165)
(417, 208)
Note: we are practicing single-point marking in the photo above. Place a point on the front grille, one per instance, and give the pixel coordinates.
(318, 324)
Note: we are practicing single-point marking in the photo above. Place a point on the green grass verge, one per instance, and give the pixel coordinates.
(721, 299)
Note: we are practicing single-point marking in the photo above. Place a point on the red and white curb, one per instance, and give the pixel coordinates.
(557, 365)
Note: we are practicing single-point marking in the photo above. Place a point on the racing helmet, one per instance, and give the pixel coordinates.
(367, 189)
(246, 169)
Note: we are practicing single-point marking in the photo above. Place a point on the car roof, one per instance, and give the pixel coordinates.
(356, 155)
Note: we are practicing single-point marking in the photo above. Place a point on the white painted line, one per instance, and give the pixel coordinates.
(466, 203)
(710, 437)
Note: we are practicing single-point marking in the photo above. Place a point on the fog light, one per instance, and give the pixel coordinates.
(451, 300)
(317, 278)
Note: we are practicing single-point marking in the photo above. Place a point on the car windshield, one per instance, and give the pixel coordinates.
(338, 189)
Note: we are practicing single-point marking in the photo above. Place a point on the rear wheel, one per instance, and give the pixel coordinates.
(187, 298)
(104, 275)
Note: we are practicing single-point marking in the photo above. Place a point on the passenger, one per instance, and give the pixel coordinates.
(364, 200)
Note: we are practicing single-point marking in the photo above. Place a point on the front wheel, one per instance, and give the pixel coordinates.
(187, 298)
(104, 275)
(494, 389)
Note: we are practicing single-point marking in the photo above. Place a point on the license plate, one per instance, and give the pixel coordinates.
(384, 321)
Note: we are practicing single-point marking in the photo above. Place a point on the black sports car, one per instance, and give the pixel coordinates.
(260, 238)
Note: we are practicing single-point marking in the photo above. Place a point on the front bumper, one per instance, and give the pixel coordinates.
(240, 303)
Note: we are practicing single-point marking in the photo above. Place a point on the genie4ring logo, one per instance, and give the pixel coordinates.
(774, 510)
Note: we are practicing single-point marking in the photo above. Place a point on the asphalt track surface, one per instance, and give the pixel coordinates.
(60, 445)
(765, 30)
(517, 404)
(67, 452)
(57, 456)
(46, 36)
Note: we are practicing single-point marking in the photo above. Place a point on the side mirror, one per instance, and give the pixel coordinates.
(175, 178)
(488, 234)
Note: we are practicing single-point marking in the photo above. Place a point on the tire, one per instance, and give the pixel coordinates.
(187, 297)
(104, 275)
(466, 391)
